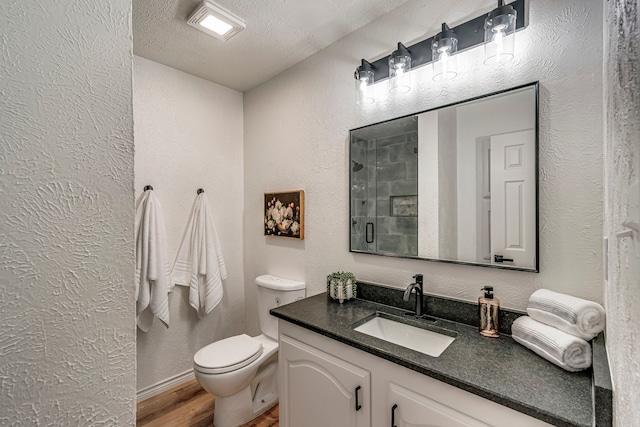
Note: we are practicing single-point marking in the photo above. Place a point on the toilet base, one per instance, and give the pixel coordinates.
(250, 402)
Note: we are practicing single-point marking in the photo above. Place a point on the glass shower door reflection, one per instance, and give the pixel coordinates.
(384, 191)
(363, 196)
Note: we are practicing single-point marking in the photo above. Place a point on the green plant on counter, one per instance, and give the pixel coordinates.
(347, 279)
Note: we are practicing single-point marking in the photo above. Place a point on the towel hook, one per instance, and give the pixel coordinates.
(200, 190)
(148, 187)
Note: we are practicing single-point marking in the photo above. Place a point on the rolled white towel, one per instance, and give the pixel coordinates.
(567, 351)
(576, 316)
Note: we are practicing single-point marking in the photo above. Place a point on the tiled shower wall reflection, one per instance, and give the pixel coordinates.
(390, 169)
(397, 175)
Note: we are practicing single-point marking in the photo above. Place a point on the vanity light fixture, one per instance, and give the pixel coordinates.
(364, 83)
(494, 31)
(399, 70)
(499, 27)
(443, 49)
(216, 21)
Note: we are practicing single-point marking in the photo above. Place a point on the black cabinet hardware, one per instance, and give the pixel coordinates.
(500, 258)
(358, 406)
(393, 415)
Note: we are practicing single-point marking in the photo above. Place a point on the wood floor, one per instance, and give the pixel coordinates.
(188, 405)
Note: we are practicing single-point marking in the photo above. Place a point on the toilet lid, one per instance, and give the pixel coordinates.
(227, 355)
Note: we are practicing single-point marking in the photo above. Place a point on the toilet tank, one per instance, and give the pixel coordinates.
(273, 292)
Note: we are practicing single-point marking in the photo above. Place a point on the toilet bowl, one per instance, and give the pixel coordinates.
(241, 371)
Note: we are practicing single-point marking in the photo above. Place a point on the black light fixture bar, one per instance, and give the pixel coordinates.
(470, 34)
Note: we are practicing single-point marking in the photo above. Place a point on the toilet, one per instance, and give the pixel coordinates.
(242, 371)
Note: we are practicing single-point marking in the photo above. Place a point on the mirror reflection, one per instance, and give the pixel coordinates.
(453, 184)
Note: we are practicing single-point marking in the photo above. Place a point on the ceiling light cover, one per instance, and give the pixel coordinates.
(216, 21)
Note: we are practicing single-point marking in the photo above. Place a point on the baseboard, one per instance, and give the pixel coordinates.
(164, 385)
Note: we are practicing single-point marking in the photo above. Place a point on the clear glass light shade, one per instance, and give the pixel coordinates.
(499, 37)
(364, 86)
(444, 59)
(399, 73)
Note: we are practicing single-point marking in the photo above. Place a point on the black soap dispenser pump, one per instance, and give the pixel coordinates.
(488, 313)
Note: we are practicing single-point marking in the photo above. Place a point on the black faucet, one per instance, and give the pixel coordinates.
(418, 286)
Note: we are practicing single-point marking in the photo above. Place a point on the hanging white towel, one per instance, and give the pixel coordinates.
(565, 350)
(199, 263)
(153, 279)
(576, 316)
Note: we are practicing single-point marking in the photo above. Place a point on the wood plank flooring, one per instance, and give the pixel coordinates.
(188, 405)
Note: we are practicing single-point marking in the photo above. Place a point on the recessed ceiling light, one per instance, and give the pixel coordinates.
(214, 24)
(216, 21)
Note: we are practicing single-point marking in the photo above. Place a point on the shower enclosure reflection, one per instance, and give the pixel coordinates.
(384, 193)
(454, 184)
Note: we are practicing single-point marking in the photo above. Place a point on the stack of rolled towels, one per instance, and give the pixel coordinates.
(558, 328)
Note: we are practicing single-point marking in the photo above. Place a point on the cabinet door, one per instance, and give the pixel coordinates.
(320, 390)
(410, 409)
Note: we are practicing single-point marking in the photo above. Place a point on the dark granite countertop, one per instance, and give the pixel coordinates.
(498, 369)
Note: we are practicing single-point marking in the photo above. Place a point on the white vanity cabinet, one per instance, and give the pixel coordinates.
(320, 390)
(318, 377)
(409, 408)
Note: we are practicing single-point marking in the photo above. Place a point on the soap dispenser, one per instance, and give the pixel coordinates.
(488, 311)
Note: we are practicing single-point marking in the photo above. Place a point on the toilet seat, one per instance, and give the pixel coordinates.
(227, 355)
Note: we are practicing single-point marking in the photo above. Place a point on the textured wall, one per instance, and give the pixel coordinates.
(67, 343)
(622, 168)
(296, 136)
(188, 135)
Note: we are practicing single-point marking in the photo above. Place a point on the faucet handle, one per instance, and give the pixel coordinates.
(419, 278)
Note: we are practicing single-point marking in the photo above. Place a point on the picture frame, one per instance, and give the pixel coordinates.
(284, 214)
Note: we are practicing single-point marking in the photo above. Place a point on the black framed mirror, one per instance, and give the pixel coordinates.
(456, 183)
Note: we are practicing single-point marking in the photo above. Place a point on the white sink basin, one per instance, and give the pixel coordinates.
(423, 340)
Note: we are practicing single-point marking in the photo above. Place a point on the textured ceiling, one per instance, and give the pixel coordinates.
(279, 34)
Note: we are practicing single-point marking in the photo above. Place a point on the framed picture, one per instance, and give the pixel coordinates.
(284, 214)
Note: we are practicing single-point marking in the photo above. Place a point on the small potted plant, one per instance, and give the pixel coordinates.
(341, 286)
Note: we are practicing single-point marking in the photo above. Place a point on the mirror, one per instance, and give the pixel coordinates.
(458, 183)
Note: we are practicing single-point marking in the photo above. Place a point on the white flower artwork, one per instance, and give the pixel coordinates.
(284, 214)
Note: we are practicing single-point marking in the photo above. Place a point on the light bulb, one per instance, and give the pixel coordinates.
(444, 58)
(498, 40)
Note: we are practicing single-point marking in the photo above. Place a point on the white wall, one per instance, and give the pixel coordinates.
(448, 183)
(67, 334)
(296, 136)
(428, 198)
(188, 135)
(622, 168)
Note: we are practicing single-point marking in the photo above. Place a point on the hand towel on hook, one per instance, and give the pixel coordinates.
(152, 279)
(199, 263)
